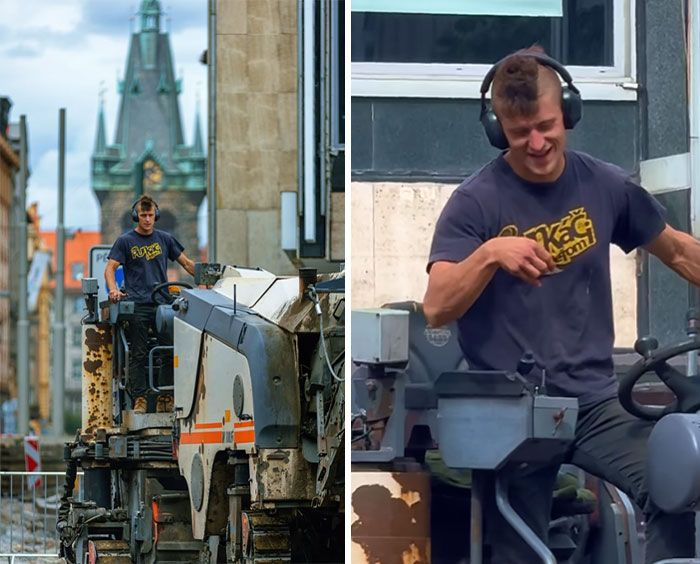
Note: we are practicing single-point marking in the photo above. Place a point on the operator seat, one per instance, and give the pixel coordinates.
(431, 352)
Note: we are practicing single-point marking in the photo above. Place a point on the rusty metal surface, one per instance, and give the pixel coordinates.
(390, 518)
(97, 378)
(281, 475)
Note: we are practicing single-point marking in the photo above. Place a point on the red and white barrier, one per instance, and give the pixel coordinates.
(32, 460)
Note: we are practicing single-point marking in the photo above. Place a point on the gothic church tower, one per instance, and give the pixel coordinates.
(149, 154)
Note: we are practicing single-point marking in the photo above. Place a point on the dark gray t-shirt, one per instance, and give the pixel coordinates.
(567, 322)
(145, 260)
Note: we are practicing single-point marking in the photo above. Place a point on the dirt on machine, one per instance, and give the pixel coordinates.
(246, 463)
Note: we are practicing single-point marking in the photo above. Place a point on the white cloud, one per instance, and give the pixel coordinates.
(59, 57)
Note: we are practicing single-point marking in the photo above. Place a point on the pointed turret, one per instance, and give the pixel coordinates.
(101, 137)
(150, 15)
(197, 146)
(149, 105)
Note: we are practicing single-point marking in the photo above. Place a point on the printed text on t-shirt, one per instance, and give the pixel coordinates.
(149, 252)
(564, 239)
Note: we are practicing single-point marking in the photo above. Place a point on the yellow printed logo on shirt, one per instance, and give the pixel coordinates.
(564, 239)
(149, 252)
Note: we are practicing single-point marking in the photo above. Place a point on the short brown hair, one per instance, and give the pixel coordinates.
(145, 203)
(518, 82)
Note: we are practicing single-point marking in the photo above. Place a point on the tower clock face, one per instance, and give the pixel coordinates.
(152, 174)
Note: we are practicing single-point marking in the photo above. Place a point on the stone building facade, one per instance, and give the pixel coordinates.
(267, 79)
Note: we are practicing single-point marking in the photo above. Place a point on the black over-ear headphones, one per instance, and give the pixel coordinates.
(135, 214)
(571, 105)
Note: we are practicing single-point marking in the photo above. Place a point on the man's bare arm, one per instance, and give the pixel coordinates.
(114, 293)
(186, 263)
(679, 251)
(454, 287)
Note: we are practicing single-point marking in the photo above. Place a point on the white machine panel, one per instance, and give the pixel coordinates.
(188, 338)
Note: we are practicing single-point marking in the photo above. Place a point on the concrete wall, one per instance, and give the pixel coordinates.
(256, 128)
(391, 232)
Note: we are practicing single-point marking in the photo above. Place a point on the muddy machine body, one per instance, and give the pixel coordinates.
(250, 455)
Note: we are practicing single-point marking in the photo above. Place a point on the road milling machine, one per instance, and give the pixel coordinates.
(248, 465)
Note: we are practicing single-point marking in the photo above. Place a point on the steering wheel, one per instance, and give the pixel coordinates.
(685, 388)
(161, 296)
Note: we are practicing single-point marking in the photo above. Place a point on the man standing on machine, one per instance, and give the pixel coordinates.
(144, 252)
(520, 258)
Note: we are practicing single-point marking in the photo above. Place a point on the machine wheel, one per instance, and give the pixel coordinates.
(266, 537)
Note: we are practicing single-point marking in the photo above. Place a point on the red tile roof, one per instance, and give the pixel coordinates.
(76, 252)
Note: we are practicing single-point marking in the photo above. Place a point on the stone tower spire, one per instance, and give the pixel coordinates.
(149, 154)
(101, 136)
(197, 145)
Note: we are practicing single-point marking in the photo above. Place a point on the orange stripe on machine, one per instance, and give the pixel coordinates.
(208, 425)
(206, 437)
(244, 425)
(244, 436)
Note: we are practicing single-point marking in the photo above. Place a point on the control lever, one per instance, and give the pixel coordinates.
(645, 346)
(525, 366)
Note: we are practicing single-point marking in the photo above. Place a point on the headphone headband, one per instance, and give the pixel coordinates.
(134, 213)
(571, 99)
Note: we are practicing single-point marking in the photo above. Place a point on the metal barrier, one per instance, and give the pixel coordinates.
(28, 515)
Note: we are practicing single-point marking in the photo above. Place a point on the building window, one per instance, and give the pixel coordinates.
(337, 41)
(77, 338)
(79, 305)
(395, 53)
(77, 369)
(77, 270)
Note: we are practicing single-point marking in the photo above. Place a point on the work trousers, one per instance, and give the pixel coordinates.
(138, 334)
(611, 444)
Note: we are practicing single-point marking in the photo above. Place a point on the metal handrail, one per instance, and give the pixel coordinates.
(151, 378)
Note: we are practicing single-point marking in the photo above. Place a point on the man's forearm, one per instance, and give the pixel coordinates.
(455, 289)
(111, 279)
(687, 261)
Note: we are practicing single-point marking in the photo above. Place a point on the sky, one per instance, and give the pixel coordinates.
(60, 54)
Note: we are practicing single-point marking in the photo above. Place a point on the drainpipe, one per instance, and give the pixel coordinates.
(59, 326)
(211, 156)
(694, 121)
(309, 147)
(23, 315)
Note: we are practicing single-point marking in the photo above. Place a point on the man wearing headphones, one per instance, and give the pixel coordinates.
(144, 252)
(520, 259)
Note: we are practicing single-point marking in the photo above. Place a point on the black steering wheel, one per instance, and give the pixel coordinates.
(161, 296)
(685, 388)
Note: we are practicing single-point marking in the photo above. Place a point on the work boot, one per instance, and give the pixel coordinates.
(140, 405)
(164, 404)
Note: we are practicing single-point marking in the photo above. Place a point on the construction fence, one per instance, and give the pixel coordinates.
(29, 503)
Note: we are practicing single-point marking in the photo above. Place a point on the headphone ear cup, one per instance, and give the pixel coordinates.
(493, 129)
(571, 107)
(134, 215)
(157, 213)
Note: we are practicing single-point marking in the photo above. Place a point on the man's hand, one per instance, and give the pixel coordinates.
(116, 295)
(522, 257)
